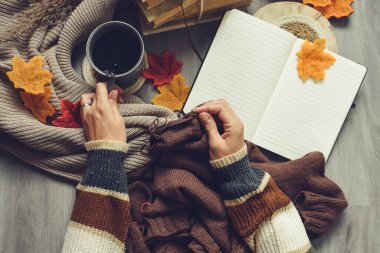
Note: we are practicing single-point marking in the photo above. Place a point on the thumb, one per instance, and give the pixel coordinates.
(112, 97)
(209, 124)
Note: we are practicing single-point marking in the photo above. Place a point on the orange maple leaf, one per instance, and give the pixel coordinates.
(38, 104)
(337, 8)
(31, 77)
(172, 95)
(317, 2)
(312, 60)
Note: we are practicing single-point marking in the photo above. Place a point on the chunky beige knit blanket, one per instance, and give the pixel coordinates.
(61, 150)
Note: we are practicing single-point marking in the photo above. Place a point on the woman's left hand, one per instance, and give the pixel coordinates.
(232, 138)
(101, 119)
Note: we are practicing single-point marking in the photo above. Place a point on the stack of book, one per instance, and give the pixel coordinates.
(164, 15)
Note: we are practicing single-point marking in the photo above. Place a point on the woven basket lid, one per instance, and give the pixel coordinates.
(301, 20)
(90, 77)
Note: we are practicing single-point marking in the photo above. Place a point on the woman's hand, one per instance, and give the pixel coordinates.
(232, 138)
(101, 119)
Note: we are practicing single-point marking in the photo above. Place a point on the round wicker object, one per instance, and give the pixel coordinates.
(301, 20)
(89, 75)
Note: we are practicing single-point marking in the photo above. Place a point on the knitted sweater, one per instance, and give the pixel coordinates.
(261, 214)
(183, 144)
(60, 150)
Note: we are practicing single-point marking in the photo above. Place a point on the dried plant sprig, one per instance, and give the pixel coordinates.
(40, 13)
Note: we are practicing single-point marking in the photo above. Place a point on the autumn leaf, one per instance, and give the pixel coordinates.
(317, 2)
(162, 68)
(337, 8)
(71, 115)
(31, 77)
(38, 104)
(312, 60)
(173, 95)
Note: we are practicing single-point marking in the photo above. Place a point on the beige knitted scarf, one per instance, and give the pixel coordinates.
(61, 150)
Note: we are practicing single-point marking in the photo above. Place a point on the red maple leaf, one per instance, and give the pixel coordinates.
(162, 68)
(71, 116)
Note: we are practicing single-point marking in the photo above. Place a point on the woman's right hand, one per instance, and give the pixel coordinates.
(232, 138)
(101, 118)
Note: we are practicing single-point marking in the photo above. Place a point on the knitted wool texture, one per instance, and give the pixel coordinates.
(183, 144)
(59, 150)
(261, 213)
(186, 212)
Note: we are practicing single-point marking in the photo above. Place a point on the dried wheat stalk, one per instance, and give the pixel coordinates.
(41, 13)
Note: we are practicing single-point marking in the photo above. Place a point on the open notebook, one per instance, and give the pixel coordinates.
(253, 65)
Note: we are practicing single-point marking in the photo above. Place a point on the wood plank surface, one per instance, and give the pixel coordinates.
(35, 207)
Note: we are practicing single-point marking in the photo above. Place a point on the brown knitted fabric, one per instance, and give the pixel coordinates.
(183, 145)
(59, 150)
(186, 214)
(318, 199)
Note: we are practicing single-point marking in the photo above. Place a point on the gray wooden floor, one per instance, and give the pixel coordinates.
(35, 207)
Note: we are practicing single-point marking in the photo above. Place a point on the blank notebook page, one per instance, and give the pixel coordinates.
(307, 116)
(243, 66)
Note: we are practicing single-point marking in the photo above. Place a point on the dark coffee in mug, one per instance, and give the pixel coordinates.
(116, 51)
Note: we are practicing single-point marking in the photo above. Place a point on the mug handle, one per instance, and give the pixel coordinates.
(111, 83)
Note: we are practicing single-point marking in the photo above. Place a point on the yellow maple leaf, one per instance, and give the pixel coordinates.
(312, 60)
(172, 95)
(38, 104)
(337, 8)
(31, 77)
(317, 2)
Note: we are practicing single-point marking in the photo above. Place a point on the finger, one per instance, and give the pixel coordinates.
(84, 112)
(224, 114)
(101, 93)
(209, 124)
(203, 107)
(121, 96)
(217, 101)
(94, 102)
(82, 116)
(87, 98)
(112, 97)
(223, 103)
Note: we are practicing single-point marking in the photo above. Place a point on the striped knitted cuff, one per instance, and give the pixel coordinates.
(282, 232)
(227, 160)
(239, 179)
(105, 170)
(107, 145)
(249, 194)
(260, 212)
